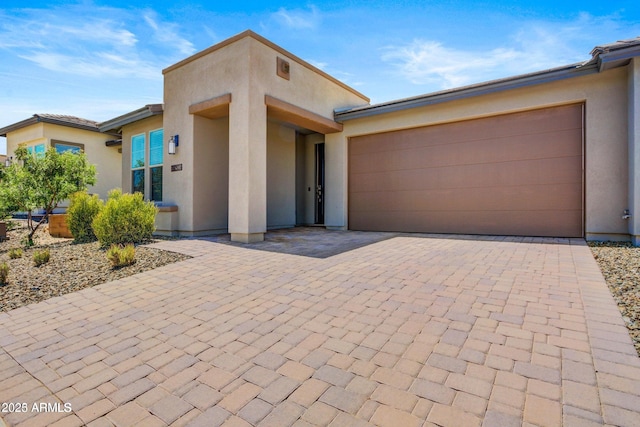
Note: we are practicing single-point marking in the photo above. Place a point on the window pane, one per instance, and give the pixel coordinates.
(137, 181)
(137, 151)
(156, 148)
(61, 148)
(156, 184)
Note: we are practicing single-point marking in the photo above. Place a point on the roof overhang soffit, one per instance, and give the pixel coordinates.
(289, 113)
(213, 108)
(617, 58)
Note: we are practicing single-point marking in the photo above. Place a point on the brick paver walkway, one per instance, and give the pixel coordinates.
(408, 331)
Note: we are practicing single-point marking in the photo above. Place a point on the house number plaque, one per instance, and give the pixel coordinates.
(177, 167)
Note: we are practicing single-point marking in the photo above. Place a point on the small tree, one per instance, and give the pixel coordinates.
(43, 181)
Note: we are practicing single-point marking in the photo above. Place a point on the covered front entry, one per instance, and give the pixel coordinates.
(512, 174)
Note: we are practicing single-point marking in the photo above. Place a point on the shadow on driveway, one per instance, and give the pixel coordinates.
(315, 242)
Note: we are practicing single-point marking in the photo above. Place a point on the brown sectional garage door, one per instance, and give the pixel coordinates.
(513, 174)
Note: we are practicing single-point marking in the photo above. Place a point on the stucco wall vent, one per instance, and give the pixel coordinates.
(282, 68)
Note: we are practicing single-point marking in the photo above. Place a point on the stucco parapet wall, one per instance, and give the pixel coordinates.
(289, 55)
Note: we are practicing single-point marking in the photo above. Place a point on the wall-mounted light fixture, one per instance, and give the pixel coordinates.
(174, 141)
(8, 161)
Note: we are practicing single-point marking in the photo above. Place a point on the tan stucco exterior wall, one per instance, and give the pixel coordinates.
(634, 150)
(281, 176)
(605, 97)
(244, 67)
(211, 175)
(106, 159)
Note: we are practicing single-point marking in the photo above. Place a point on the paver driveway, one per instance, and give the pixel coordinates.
(408, 331)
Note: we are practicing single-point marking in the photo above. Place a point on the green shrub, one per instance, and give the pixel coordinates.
(29, 242)
(121, 256)
(15, 253)
(41, 257)
(125, 218)
(80, 215)
(4, 273)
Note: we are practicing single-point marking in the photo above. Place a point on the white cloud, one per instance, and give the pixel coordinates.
(39, 32)
(298, 19)
(537, 46)
(99, 65)
(429, 62)
(167, 33)
(318, 64)
(93, 43)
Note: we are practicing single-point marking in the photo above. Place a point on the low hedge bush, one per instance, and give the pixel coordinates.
(121, 256)
(80, 215)
(41, 257)
(4, 273)
(125, 218)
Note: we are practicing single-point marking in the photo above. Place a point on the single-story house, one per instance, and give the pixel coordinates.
(256, 138)
(68, 133)
(251, 137)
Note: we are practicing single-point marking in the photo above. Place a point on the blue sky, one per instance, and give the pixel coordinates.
(100, 59)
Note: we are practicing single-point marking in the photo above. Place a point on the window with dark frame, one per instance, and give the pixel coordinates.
(140, 164)
(137, 163)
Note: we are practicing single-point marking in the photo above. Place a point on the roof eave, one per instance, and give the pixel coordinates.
(114, 125)
(574, 70)
(617, 58)
(39, 119)
(19, 125)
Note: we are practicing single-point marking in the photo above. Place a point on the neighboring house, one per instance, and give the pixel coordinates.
(3, 159)
(67, 133)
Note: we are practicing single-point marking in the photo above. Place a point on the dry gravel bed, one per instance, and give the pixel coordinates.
(620, 265)
(72, 267)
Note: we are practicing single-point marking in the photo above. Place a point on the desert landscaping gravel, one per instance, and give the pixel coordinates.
(620, 266)
(71, 267)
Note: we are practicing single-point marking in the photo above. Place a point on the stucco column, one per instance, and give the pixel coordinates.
(335, 152)
(634, 150)
(247, 168)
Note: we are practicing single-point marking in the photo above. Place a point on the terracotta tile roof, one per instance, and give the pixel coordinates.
(69, 119)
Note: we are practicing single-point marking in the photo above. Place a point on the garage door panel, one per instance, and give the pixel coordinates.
(538, 122)
(562, 144)
(558, 196)
(538, 171)
(531, 223)
(527, 178)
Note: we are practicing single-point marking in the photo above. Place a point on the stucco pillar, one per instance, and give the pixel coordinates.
(335, 181)
(634, 150)
(247, 168)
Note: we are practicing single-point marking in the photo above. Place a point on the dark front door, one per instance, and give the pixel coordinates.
(319, 183)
